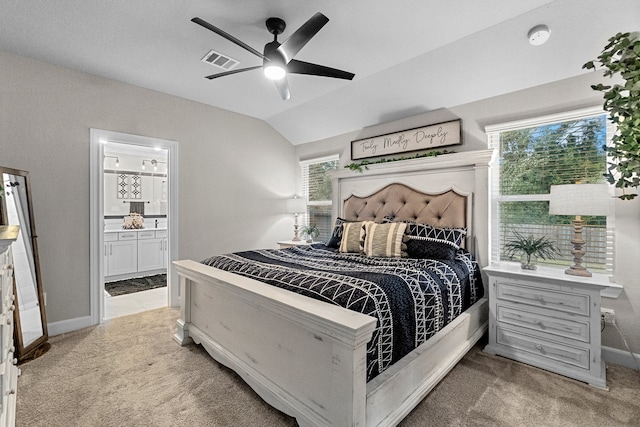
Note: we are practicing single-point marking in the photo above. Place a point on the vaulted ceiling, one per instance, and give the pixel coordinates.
(408, 56)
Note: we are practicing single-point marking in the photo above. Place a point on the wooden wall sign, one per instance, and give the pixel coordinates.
(423, 138)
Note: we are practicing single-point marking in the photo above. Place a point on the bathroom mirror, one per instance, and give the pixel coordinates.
(29, 317)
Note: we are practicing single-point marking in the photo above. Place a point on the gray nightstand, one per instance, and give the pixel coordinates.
(548, 319)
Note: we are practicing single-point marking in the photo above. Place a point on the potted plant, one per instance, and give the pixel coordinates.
(311, 232)
(621, 56)
(530, 249)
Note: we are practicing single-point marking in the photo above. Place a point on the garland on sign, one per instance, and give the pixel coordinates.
(364, 164)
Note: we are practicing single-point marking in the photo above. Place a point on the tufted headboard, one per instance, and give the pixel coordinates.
(448, 209)
(444, 191)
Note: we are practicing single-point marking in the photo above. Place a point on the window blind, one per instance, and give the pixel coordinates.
(317, 191)
(535, 154)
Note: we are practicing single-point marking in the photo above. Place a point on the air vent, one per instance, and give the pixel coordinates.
(219, 60)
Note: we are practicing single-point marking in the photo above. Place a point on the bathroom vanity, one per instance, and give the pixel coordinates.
(134, 253)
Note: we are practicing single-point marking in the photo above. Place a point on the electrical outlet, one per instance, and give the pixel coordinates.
(608, 315)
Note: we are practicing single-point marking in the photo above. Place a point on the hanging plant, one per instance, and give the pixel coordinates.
(621, 56)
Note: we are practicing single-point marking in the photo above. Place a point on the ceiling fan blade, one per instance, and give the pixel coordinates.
(226, 73)
(302, 35)
(283, 87)
(226, 35)
(301, 67)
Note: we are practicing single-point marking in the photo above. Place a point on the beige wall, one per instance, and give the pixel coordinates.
(560, 96)
(234, 171)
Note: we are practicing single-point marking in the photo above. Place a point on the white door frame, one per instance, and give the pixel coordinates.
(97, 140)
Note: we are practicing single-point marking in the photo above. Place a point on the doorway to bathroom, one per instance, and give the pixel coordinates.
(133, 212)
(135, 229)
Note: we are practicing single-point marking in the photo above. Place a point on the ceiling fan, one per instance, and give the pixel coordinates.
(277, 59)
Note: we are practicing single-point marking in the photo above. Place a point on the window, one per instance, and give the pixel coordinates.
(316, 189)
(535, 154)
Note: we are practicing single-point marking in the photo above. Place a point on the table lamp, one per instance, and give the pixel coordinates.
(578, 200)
(296, 206)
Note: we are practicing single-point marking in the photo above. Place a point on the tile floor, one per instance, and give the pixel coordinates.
(123, 305)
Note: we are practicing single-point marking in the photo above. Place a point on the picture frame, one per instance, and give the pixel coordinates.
(422, 138)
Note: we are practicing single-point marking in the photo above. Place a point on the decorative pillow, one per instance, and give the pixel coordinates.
(385, 240)
(352, 237)
(336, 235)
(426, 241)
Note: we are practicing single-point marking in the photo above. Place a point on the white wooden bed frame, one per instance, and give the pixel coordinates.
(307, 358)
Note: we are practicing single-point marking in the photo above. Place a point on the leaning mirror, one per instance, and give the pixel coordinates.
(30, 318)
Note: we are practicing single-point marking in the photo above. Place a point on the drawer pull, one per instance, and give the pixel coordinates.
(540, 349)
(539, 323)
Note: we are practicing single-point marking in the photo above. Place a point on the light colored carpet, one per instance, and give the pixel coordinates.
(130, 372)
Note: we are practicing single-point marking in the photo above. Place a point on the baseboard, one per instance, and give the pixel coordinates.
(70, 325)
(620, 357)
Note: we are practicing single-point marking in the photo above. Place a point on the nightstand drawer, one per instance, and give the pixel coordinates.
(561, 301)
(544, 324)
(543, 349)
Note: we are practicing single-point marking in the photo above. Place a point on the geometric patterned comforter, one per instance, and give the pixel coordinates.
(411, 298)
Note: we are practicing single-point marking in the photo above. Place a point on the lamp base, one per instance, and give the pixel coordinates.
(296, 232)
(577, 270)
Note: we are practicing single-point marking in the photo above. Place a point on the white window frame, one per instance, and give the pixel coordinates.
(304, 182)
(493, 139)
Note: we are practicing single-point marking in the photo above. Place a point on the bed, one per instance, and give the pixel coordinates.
(308, 358)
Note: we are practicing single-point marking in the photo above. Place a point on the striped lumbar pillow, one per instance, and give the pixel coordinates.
(352, 237)
(386, 240)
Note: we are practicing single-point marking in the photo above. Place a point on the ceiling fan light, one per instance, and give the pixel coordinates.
(274, 72)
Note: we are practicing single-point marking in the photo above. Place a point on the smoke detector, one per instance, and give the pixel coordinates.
(539, 35)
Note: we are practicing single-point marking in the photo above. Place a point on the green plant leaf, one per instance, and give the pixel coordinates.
(621, 56)
(541, 247)
(358, 166)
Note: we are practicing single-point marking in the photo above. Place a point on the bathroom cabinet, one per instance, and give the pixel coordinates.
(151, 251)
(121, 253)
(134, 253)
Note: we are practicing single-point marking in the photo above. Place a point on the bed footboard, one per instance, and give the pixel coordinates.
(302, 356)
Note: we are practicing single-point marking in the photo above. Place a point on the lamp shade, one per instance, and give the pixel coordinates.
(296, 205)
(579, 199)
